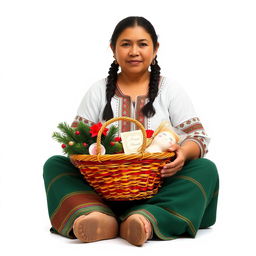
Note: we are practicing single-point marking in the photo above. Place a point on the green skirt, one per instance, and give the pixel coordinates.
(185, 202)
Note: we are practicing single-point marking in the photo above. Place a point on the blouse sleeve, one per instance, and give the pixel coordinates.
(89, 108)
(185, 119)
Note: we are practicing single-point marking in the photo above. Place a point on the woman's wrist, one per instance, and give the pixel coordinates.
(191, 150)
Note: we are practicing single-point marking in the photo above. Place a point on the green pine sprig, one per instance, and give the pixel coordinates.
(67, 130)
(109, 137)
(81, 142)
(85, 135)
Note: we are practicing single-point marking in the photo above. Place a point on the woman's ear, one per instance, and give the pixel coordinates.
(156, 50)
(112, 48)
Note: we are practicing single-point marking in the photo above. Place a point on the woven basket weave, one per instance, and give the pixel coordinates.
(123, 177)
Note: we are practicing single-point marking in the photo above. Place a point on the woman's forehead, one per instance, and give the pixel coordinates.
(134, 34)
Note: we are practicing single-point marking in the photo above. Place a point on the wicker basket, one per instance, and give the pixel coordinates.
(123, 177)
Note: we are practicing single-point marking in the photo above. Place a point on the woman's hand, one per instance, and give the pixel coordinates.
(175, 166)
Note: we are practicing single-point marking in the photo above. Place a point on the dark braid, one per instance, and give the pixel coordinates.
(110, 90)
(148, 110)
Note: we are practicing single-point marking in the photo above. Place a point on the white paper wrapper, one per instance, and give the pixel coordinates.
(164, 137)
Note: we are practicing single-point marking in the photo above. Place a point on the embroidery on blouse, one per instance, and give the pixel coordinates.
(125, 109)
(79, 119)
(195, 132)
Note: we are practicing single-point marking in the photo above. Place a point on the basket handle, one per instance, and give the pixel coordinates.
(126, 119)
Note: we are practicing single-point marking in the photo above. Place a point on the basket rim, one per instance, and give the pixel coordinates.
(121, 156)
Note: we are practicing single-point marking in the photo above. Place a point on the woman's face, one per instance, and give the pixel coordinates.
(134, 44)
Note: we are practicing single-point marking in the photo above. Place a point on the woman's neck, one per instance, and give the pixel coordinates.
(134, 79)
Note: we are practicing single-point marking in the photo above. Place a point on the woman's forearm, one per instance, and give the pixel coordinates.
(191, 150)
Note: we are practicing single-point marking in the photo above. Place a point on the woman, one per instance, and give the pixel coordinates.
(188, 197)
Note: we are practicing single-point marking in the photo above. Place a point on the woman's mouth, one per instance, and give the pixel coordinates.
(134, 62)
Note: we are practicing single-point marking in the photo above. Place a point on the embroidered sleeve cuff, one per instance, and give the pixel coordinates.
(79, 119)
(194, 131)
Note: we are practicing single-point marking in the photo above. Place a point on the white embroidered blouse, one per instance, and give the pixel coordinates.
(172, 103)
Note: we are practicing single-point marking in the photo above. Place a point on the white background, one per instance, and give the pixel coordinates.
(51, 51)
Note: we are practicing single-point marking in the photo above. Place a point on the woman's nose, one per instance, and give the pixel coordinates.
(134, 50)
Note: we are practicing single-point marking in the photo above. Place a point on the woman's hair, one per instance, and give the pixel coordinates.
(148, 110)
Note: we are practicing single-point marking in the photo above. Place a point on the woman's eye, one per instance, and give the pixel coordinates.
(142, 44)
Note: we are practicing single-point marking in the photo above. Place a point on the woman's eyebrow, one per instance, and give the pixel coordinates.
(131, 40)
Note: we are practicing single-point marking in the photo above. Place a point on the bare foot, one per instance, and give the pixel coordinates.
(147, 225)
(95, 226)
(136, 229)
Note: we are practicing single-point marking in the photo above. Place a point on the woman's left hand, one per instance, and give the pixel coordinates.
(175, 166)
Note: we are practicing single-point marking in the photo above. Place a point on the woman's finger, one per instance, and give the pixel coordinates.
(166, 172)
(178, 160)
(174, 147)
(169, 174)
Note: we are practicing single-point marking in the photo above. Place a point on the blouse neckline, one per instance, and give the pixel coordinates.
(144, 95)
